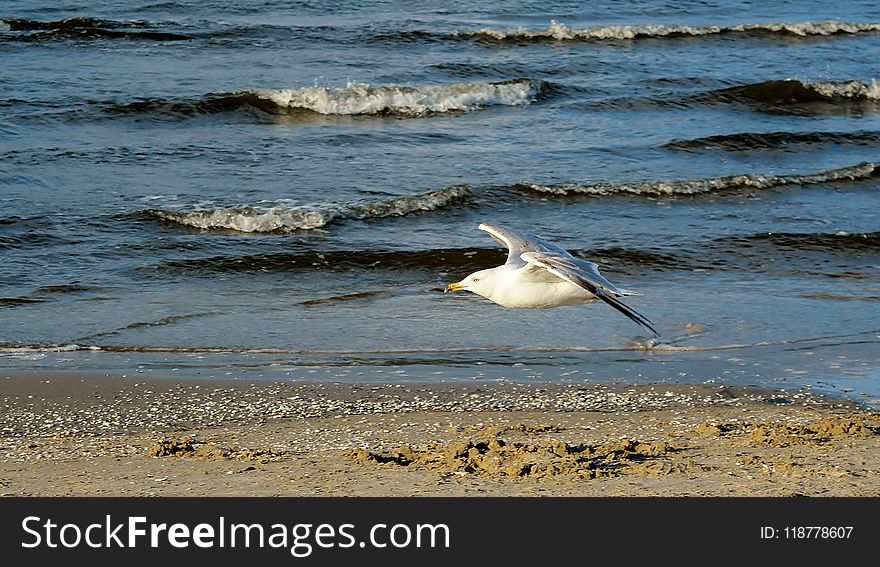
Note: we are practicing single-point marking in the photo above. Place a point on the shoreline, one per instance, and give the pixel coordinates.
(98, 435)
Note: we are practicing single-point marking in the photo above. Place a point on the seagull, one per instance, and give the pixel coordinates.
(540, 274)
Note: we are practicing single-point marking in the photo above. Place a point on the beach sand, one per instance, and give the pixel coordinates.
(99, 435)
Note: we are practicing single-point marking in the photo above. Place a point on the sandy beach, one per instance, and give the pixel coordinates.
(100, 435)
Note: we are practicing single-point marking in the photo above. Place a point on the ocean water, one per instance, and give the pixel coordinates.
(282, 190)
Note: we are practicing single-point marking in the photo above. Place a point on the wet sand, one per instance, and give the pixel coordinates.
(98, 435)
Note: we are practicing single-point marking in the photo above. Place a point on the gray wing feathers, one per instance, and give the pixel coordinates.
(568, 269)
(519, 242)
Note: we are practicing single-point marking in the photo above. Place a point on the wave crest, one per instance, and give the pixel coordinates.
(703, 186)
(793, 91)
(777, 96)
(357, 99)
(354, 99)
(283, 219)
(561, 32)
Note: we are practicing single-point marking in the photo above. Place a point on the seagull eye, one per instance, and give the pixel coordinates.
(475, 280)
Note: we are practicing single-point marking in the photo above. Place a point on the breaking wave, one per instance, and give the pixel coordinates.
(793, 91)
(706, 186)
(560, 32)
(25, 29)
(29, 350)
(786, 96)
(280, 218)
(352, 100)
(357, 99)
(283, 219)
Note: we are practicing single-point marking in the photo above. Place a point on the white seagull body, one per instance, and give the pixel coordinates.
(539, 274)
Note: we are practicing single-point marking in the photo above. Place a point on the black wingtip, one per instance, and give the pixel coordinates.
(626, 310)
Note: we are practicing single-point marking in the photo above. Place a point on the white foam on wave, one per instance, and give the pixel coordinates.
(4, 26)
(562, 32)
(284, 218)
(249, 219)
(357, 98)
(712, 185)
(37, 352)
(848, 89)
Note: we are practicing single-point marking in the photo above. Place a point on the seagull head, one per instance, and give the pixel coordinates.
(481, 283)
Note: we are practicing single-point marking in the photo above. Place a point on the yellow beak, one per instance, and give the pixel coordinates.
(454, 287)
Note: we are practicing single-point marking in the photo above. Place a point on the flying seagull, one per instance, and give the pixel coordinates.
(540, 274)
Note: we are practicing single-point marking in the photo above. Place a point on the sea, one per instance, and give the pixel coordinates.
(281, 190)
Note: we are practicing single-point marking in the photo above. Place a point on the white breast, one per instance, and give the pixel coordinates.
(524, 294)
